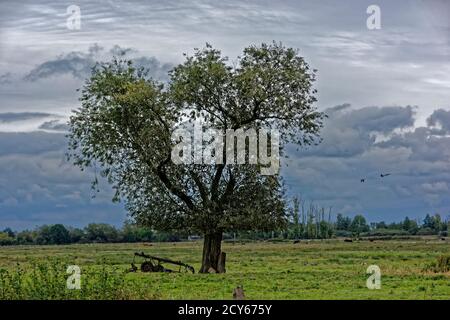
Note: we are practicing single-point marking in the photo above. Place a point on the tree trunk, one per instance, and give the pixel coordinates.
(212, 244)
(221, 263)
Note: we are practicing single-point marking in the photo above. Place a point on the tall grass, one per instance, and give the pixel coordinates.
(48, 281)
(442, 264)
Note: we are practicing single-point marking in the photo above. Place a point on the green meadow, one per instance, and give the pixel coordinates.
(330, 269)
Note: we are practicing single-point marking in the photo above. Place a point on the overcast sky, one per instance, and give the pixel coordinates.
(386, 92)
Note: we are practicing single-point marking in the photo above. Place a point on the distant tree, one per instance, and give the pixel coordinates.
(5, 239)
(58, 234)
(10, 233)
(343, 223)
(359, 225)
(410, 225)
(434, 223)
(144, 234)
(438, 224)
(76, 235)
(428, 222)
(296, 217)
(101, 232)
(125, 126)
(25, 237)
(325, 230)
(42, 235)
(380, 225)
(166, 237)
(131, 232)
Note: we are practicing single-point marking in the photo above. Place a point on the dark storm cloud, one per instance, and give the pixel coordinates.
(417, 158)
(54, 125)
(21, 116)
(440, 118)
(157, 69)
(405, 62)
(348, 132)
(30, 143)
(35, 173)
(76, 64)
(38, 185)
(80, 64)
(376, 119)
(6, 78)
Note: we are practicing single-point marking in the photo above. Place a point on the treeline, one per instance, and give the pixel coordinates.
(93, 233)
(431, 225)
(305, 222)
(317, 225)
(308, 221)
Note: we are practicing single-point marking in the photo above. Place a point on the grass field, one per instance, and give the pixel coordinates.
(267, 270)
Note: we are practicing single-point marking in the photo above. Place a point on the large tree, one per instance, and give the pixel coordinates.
(126, 123)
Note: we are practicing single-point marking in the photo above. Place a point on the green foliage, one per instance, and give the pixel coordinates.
(48, 280)
(126, 122)
(5, 239)
(306, 222)
(387, 232)
(343, 223)
(101, 232)
(359, 225)
(309, 222)
(434, 223)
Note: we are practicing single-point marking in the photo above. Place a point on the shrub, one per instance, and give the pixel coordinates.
(5, 239)
(48, 281)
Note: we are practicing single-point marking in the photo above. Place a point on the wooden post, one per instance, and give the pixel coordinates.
(238, 293)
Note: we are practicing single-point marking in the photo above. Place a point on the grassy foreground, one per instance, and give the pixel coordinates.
(308, 270)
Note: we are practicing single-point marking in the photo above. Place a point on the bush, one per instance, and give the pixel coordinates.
(5, 239)
(101, 232)
(387, 232)
(344, 233)
(425, 232)
(48, 281)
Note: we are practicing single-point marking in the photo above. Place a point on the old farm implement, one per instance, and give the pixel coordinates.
(153, 264)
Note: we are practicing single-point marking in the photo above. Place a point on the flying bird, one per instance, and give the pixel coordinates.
(385, 175)
(363, 180)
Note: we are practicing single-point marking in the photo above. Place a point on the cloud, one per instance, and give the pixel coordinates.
(79, 64)
(30, 121)
(38, 185)
(406, 62)
(440, 117)
(30, 143)
(21, 116)
(6, 78)
(54, 125)
(418, 159)
(348, 132)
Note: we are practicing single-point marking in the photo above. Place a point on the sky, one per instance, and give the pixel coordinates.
(385, 91)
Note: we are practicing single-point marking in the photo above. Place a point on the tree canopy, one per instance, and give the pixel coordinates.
(126, 123)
